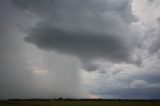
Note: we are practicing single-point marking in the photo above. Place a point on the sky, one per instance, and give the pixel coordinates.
(80, 49)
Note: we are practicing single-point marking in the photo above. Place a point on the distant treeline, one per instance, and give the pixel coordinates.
(99, 99)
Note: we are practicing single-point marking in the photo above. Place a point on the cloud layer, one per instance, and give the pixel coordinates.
(51, 49)
(89, 31)
(85, 45)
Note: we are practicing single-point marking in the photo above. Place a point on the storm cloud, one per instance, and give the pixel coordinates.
(82, 44)
(92, 30)
(77, 49)
(26, 72)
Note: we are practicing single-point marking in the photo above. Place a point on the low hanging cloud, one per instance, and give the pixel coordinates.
(85, 45)
(89, 30)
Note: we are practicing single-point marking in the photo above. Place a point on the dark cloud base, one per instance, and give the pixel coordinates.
(81, 44)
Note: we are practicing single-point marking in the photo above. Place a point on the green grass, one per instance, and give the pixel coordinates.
(79, 103)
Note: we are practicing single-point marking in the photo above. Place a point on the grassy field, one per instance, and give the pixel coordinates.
(79, 103)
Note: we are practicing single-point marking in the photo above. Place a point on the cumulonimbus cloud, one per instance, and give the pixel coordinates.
(82, 44)
(89, 31)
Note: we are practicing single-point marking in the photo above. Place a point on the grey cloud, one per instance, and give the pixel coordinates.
(89, 30)
(143, 84)
(100, 33)
(130, 82)
(76, 7)
(138, 89)
(158, 20)
(85, 45)
(26, 72)
(151, 0)
(133, 93)
(155, 43)
(89, 66)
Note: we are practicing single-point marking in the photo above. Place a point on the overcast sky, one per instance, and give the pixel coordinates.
(80, 49)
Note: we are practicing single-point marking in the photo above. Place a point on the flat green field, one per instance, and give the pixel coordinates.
(79, 103)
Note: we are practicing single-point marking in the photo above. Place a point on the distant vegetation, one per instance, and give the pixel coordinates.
(78, 102)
